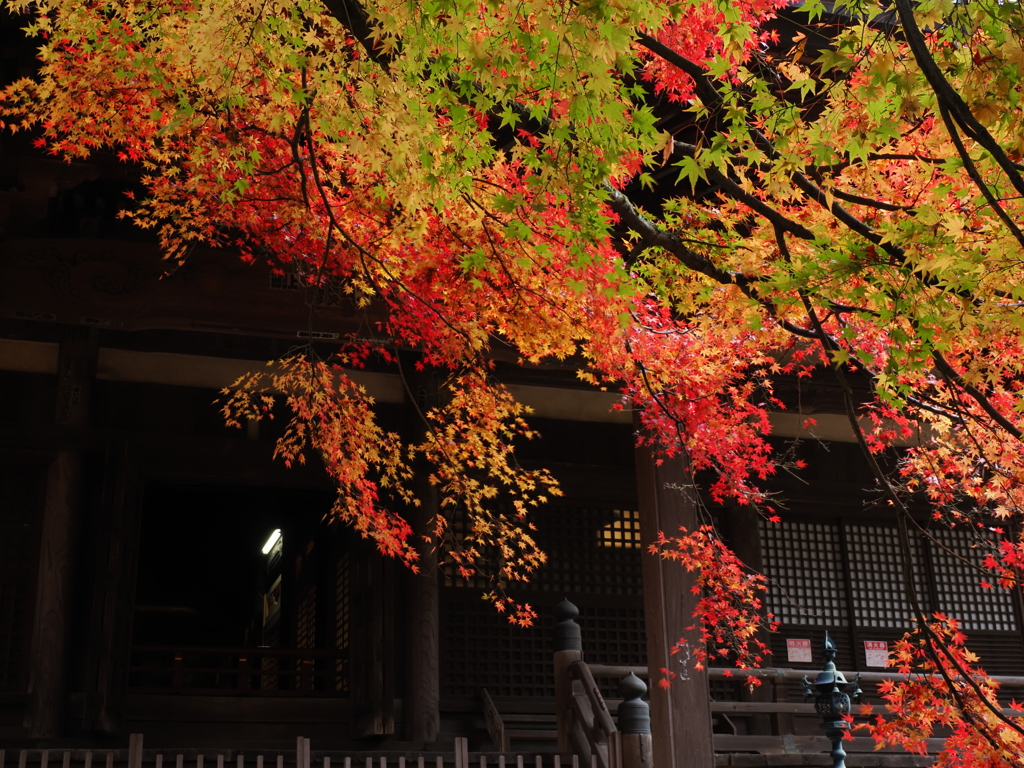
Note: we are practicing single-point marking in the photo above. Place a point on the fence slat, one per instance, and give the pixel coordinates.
(179, 761)
(135, 742)
(67, 760)
(199, 761)
(159, 761)
(88, 760)
(22, 758)
(110, 759)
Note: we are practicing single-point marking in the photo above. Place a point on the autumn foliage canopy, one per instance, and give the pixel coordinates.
(684, 200)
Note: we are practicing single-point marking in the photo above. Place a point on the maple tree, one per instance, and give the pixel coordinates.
(844, 190)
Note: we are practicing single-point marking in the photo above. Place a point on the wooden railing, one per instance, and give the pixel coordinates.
(778, 708)
(591, 725)
(238, 671)
(135, 756)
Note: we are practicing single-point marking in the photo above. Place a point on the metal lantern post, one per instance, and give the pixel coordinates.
(833, 702)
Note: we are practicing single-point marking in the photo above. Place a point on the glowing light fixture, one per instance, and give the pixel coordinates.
(274, 538)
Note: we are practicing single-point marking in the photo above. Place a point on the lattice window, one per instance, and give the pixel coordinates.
(623, 531)
(804, 562)
(876, 576)
(481, 650)
(807, 566)
(579, 561)
(958, 584)
(269, 665)
(452, 576)
(342, 616)
(305, 621)
(575, 568)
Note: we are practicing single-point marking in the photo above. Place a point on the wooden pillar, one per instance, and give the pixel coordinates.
(743, 528)
(49, 650)
(58, 545)
(373, 644)
(681, 713)
(421, 706)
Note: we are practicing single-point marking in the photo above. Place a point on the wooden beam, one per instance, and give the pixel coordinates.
(115, 544)
(680, 714)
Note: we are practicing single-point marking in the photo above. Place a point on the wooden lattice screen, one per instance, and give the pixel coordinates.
(305, 620)
(956, 584)
(805, 563)
(846, 577)
(594, 560)
(876, 578)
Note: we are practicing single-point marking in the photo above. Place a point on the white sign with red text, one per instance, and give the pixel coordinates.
(876, 653)
(798, 651)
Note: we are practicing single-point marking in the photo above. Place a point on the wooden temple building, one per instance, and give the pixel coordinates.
(143, 589)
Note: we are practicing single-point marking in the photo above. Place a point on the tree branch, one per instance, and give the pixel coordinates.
(950, 99)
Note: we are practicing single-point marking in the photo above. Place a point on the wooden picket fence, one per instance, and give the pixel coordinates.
(302, 757)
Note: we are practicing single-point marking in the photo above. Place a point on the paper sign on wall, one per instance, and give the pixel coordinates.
(876, 653)
(798, 650)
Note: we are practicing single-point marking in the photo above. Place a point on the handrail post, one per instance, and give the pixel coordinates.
(634, 724)
(568, 648)
(134, 750)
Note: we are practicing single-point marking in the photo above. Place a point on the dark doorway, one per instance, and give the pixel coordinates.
(202, 575)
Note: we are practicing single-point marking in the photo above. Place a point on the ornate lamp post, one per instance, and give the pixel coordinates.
(833, 702)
